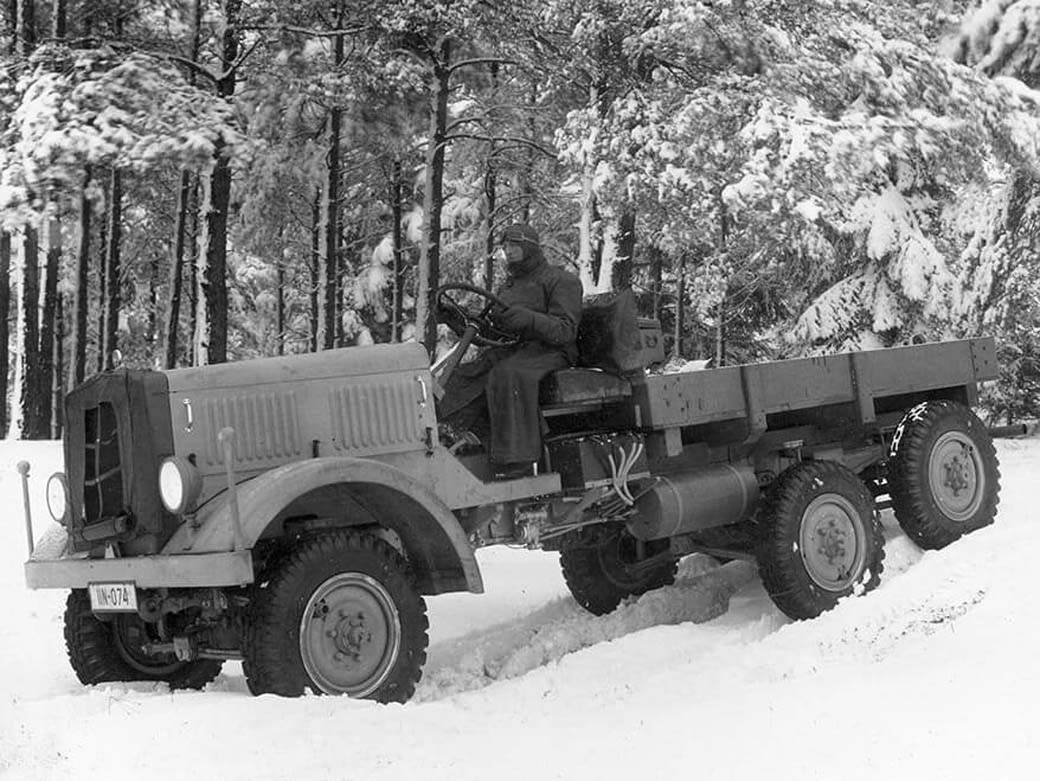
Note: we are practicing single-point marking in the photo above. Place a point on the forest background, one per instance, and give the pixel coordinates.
(185, 182)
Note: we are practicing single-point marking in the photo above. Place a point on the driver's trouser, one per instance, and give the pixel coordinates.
(499, 391)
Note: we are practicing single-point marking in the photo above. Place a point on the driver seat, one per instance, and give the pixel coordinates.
(614, 348)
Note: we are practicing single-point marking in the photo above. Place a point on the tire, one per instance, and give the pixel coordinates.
(110, 650)
(820, 539)
(943, 474)
(338, 615)
(603, 571)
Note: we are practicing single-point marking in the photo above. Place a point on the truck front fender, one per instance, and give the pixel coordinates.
(431, 535)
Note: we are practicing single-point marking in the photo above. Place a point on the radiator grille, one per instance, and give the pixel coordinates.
(103, 473)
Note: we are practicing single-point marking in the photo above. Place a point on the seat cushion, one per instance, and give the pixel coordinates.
(583, 386)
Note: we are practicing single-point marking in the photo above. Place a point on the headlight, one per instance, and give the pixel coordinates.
(58, 496)
(179, 484)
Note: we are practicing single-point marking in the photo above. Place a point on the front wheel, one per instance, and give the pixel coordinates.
(820, 539)
(943, 474)
(113, 649)
(338, 615)
(604, 568)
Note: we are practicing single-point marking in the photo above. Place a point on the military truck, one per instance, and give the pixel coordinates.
(293, 512)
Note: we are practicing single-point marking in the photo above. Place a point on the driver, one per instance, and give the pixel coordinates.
(495, 396)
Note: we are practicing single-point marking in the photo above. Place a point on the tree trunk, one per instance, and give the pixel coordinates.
(720, 320)
(281, 307)
(23, 42)
(102, 288)
(216, 298)
(720, 335)
(180, 238)
(152, 333)
(58, 415)
(626, 250)
(194, 237)
(587, 207)
(29, 305)
(5, 333)
(332, 248)
(11, 23)
(201, 280)
(173, 312)
(680, 306)
(491, 196)
(49, 327)
(315, 269)
(59, 16)
(433, 200)
(341, 275)
(79, 315)
(397, 237)
(491, 192)
(533, 96)
(656, 279)
(26, 26)
(113, 270)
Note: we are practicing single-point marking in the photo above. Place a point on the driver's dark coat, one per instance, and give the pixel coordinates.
(509, 376)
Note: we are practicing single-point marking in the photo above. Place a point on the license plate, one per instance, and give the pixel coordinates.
(113, 597)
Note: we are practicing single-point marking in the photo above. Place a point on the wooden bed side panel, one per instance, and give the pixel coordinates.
(755, 390)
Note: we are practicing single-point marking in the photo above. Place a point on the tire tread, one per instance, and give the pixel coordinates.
(780, 564)
(907, 481)
(583, 573)
(95, 659)
(267, 641)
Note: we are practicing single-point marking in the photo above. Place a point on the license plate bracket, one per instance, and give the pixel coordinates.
(113, 597)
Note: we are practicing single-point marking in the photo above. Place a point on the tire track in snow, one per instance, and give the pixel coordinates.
(701, 593)
(871, 626)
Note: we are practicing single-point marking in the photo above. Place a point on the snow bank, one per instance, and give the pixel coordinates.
(931, 676)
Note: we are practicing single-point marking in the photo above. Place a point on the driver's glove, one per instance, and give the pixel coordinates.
(516, 318)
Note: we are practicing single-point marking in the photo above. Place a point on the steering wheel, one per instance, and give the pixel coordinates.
(458, 318)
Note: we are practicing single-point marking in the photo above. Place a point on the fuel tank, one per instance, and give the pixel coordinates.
(708, 496)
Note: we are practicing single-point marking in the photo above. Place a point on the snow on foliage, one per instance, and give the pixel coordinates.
(75, 108)
(833, 133)
(1002, 37)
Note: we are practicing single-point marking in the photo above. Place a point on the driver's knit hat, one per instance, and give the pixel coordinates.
(521, 233)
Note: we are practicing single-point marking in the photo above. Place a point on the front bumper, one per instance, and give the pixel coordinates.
(50, 566)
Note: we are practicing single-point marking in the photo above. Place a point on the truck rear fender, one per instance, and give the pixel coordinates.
(366, 491)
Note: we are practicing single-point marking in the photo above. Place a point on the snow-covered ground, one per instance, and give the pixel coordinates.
(932, 676)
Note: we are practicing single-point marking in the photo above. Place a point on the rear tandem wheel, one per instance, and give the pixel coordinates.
(613, 565)
(820, 539)
(943, 474)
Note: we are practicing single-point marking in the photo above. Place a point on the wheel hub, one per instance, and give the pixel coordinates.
(350, 635)
(955, 475)
(831, 542)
